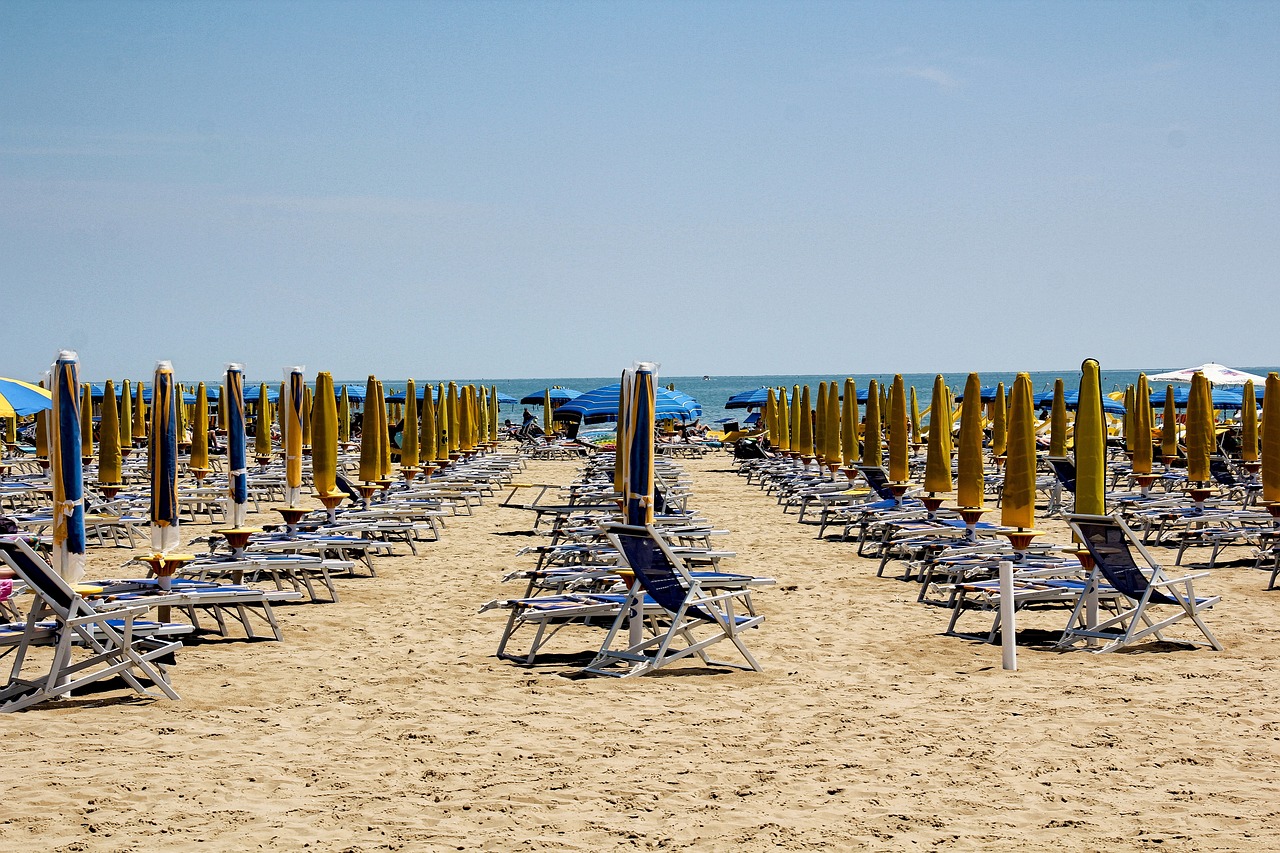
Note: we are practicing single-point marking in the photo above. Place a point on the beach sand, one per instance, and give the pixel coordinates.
(384, 722)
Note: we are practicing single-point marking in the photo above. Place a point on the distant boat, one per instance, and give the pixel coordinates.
(706, 378)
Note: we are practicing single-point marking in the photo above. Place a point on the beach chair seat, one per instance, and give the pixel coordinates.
(1155, 600)
(225, 604)
(702, 608)
(547, 615)
(119, 643)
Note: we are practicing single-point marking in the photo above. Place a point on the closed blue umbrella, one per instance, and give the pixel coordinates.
(162, 450)
(65, 469)
(237, 466)
(640, 421)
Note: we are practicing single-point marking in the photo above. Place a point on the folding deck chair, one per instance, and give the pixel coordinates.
(701, 608)
(1112, 544)
(118, 642)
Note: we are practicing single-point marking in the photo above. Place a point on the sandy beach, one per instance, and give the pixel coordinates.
(384, 722)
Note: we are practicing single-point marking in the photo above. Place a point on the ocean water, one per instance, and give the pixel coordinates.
(714, 391)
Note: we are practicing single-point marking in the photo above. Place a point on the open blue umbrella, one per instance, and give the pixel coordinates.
(1072, 400)
(507, 400)
(558, 396)
(237, 467)
(65, 469)
(602, 405)
(252, 393)
(753, 399)
(162, 454)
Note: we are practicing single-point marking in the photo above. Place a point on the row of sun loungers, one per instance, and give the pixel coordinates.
(656, 592)
(1111, 588)
(103, 628)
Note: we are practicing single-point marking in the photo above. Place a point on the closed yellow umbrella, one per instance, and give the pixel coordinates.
(1142, 426)
(820, 425)
(262, 429)
(784, 441)
(849, 426)
(370, 458)
(546, 412)
(897, 430)
(1249, 424)
(871, 449)
(307, 403)
(139, 413)
(805, 427)
(126, 418)
(482, 415)
(914, 411)
(324, 437)
(409, 436)
(771, 418)
(1130, 406)
(11, 430)
(1058, 422)
(384, 437)
(1199, 430)
(109, 443)
(224, 409)
(200, 431)
(1169, 428)
(466, 408)
(494, 403)
(969, 474)
(999, 423)
(344, 417)
(1017, 503)
(181, 420)
(442, 424)
(1271, 439)
(451, 403)
(794, 419)
(937, 461)
(833, 432)
(86, 423)
(291, 408)
(427, 432)
(1090, 443)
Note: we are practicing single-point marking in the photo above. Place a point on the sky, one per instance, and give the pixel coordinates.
(511, 189)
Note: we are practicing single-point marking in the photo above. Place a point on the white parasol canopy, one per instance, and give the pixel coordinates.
(1217, 374)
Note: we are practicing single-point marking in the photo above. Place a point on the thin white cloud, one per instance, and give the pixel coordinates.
(931, 74)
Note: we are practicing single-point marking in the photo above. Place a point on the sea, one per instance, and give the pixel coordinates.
(712, 392)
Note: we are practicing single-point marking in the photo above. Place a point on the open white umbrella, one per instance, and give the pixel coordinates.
(1217, 374)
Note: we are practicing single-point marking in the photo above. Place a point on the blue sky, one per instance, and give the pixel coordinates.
(533, 189)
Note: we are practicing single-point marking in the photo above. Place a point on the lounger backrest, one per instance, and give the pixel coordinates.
(38, 574)
(1220, 473)
(654, 571)
(877, 479)
(1065, 470)
(1109, 544)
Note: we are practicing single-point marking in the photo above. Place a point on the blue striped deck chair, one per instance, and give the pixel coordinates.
(701, 608)
(1112, 545)
(116, 643)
